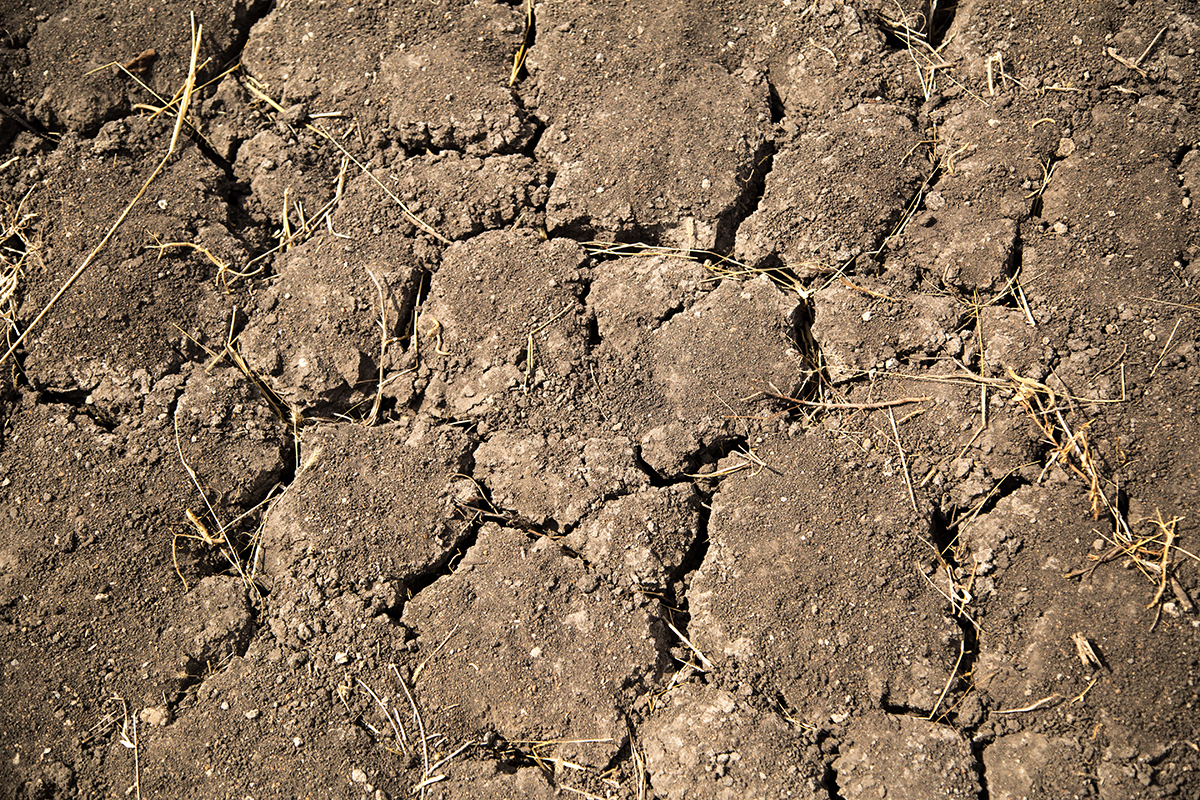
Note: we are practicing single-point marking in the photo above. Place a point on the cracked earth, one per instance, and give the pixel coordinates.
(598, 399)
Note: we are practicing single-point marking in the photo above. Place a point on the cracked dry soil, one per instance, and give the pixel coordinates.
(765, 398)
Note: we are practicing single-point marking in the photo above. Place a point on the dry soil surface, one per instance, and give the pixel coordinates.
(605, 399)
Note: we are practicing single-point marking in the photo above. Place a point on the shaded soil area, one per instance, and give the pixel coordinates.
(664, 400)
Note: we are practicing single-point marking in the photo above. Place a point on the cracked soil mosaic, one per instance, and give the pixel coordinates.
(445, 399)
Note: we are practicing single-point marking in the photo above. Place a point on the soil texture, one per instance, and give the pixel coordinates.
(754, 399)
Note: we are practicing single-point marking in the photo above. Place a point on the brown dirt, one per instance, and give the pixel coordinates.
(747, 401)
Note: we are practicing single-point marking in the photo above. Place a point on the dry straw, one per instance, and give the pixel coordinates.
(13, 225)
(258, 89)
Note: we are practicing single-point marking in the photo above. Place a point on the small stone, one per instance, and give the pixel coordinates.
(159, 716)
(252, 713)
(358, 776)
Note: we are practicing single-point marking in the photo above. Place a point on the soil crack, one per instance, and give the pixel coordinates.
(926, 25)
(944, 536)
(78, 399)
(763, 161)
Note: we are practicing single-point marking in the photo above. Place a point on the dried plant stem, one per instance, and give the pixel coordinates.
(1045, 701)
(1166, 347)
(396, 728)
(962, 651)
(912, 497)
(902, 401)
(420, 728)
(373, 415)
